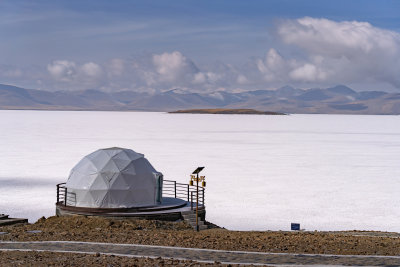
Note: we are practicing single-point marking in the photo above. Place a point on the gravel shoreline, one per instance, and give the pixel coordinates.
(96, 229)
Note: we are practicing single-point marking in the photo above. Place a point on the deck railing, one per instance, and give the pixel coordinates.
(64, 197)
(170, 189)
(183, 191)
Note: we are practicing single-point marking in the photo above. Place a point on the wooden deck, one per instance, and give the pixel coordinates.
(5, 220)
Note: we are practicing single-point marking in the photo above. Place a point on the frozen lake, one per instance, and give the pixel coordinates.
(327, 172)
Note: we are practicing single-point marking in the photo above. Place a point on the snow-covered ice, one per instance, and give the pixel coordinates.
(327, 172)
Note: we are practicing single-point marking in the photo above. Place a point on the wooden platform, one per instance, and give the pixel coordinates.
(171, 209)
(5, 220)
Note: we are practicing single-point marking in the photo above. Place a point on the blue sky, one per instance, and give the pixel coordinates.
(194, 45)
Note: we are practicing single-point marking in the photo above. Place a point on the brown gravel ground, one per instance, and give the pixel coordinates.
(95, 229)
(22, 258)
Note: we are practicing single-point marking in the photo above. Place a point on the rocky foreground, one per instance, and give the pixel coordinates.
(23, 258)
(96, 229)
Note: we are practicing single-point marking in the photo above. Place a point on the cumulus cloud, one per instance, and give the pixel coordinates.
(176, 70)
(62, 70)
(308, 72)
(199, 78)
(173, 67)
(147, 72)
(241, 79)
(71, 74)
(116, 67)
(67, 71)
(91, 69)
(206, 77)
(336, 39)
(335, 52)
(309, 52)
(273, 67)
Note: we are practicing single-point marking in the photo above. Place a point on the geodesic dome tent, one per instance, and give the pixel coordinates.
(114, 178)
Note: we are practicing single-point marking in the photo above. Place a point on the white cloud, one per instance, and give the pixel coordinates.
(241, 79)
(62, 70)
(315, 52)
(67, 74)
(173, 67)
(206, 77)
(69, 71)
(336, 52)
(273, 67)
(199, 78)
(308, 73)
(213, 77)
(91, 69)
(116, 67)
(327, 37)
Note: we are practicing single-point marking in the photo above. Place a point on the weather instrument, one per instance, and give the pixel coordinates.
(194, 177)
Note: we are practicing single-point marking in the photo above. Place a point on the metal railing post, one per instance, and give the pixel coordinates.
(191, 200)
(65, 196)
(175, 188)
(203, 196)
(58, 193)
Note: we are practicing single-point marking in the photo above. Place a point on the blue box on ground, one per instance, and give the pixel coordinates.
(295, 226)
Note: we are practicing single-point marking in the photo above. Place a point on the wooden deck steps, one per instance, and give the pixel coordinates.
(5, 220)
(3, 216)
(190, 217)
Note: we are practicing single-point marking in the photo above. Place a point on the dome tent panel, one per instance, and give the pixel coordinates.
(119, 183)
(126, 179)
(84, 196)
(133, 155)
(108, 177)
(123, 159)
(85, 166)
(99, 183)
(110, 167)
(76, 182)
(114, 198)
(114, 178)
(121, 163)
(94, 198)
(99, 158)
(112, 151)
(130, 169)
(142, 186)
(143, 166)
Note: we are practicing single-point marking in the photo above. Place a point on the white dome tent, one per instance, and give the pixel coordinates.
(120, 183)
(114, 178)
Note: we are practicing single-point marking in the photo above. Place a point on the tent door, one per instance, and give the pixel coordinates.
(159, 180)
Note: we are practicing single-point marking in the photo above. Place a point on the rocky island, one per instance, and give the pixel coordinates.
(227, 111)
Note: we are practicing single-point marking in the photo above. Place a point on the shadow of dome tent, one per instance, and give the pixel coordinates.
(118, 182)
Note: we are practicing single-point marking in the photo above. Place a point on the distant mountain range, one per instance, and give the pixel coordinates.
(335, 100)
